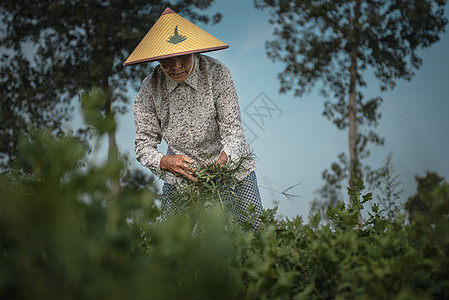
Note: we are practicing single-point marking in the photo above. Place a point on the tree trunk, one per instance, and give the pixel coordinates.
(112, 150)
(113, 214)
(352, 105)
(113, 154)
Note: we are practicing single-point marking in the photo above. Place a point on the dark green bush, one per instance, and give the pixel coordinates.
(65, 235)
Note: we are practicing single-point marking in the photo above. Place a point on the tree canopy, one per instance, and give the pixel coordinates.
(53, 50)
(425, 185)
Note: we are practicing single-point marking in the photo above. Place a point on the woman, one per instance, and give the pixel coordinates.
(191, 102)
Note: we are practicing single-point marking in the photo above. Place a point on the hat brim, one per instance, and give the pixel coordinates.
(146, 60)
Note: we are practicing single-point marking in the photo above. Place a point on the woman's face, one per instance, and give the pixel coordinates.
(178, 68)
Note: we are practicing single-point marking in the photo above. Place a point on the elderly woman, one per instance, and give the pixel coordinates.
(191, 102)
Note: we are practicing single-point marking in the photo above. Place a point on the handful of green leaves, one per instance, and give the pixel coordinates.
(213, 179)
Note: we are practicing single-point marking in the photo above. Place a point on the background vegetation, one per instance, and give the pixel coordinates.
(337, 45)
(64, 234)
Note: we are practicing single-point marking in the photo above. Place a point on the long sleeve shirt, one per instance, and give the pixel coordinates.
(198, 117)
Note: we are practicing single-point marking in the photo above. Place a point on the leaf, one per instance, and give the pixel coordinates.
(176, 38)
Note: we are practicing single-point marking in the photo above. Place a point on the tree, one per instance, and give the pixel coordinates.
(419, 203)
(55, 49)
(389, 186)
(27, 100)
(335, 42)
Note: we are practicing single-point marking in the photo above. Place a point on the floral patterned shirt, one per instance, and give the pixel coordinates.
(198, 117)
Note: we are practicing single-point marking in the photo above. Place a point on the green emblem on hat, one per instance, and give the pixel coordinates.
(176, 38)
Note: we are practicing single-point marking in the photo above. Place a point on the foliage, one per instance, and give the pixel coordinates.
(426, 184)
(63, 235)
(330, 192)
(53, 49)
(384, 181)
(19, 111)
(334, 43)
(389, 186)
(212, 182)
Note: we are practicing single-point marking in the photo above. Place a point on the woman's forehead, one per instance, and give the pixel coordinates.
(173, 58)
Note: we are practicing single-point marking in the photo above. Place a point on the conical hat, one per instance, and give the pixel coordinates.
(173, 35)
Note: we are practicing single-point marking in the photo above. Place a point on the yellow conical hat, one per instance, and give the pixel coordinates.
(173, 35)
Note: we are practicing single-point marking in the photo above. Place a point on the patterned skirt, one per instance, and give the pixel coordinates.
(236, 201)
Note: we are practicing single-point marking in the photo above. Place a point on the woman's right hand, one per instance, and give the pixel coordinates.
(178, 165)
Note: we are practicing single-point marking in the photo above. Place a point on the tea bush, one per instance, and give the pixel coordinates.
(65, 235)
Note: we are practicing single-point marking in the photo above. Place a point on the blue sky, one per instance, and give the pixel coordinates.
(297, 143)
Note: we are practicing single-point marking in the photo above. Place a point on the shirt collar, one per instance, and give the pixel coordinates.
(192, 80)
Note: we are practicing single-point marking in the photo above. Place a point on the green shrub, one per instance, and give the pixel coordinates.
(65, 235)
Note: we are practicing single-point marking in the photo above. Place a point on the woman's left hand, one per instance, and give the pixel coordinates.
(222, 159)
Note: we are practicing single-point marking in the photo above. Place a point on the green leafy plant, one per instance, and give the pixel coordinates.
(61, 237)
(215, 186)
